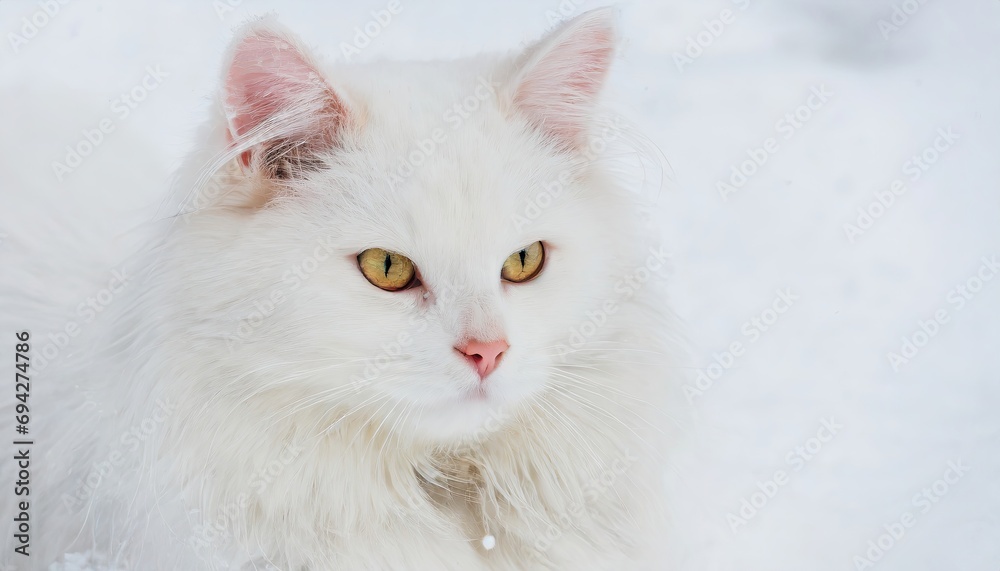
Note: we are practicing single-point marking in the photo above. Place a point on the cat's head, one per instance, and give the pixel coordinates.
(430, 245)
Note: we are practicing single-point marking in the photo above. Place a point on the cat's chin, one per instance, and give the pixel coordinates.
(457, 420)
(471, 416)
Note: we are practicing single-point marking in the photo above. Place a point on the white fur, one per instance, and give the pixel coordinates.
(278, 436)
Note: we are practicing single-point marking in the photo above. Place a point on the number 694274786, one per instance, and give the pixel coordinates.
(22, 381)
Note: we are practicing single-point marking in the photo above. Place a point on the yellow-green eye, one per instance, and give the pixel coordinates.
(386, 270)
(524, 264)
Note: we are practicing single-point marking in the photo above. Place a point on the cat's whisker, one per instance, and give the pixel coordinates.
(597, 346)
(598, 462)
(593, 406)
(336, 362)
(260, 390)
(307, 402)
(377, 433)
(561, 417)
(573, 384)
(588, 381)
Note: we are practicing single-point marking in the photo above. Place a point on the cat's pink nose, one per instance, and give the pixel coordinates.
(485, 357)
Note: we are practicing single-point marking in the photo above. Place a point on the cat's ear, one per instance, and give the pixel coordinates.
(558, 80)
(279, 108)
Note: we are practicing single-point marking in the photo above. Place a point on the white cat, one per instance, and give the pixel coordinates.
(404, 319)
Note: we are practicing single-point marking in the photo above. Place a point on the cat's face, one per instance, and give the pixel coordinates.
(425, 240)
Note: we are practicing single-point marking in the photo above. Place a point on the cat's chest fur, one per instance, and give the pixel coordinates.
(552, 499)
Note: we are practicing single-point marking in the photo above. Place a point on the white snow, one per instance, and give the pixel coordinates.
(888, 434)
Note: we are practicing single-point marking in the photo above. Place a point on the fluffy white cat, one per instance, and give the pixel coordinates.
(405, 318)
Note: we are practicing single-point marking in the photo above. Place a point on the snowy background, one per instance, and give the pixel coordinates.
(890, 91)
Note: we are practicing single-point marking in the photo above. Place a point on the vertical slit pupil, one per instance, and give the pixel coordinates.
(387, 264)
(522, 254)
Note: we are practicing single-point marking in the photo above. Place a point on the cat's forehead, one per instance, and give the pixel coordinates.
(463, 196)
(419, 97)
(443, 152)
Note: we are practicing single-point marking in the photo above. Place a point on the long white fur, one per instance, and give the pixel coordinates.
(272, 444)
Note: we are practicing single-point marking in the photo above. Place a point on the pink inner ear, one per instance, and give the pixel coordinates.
(269, 75)
(560, 88)
(263, 78)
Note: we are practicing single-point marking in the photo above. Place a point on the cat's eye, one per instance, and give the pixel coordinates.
(387, 270)
(524, 264)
